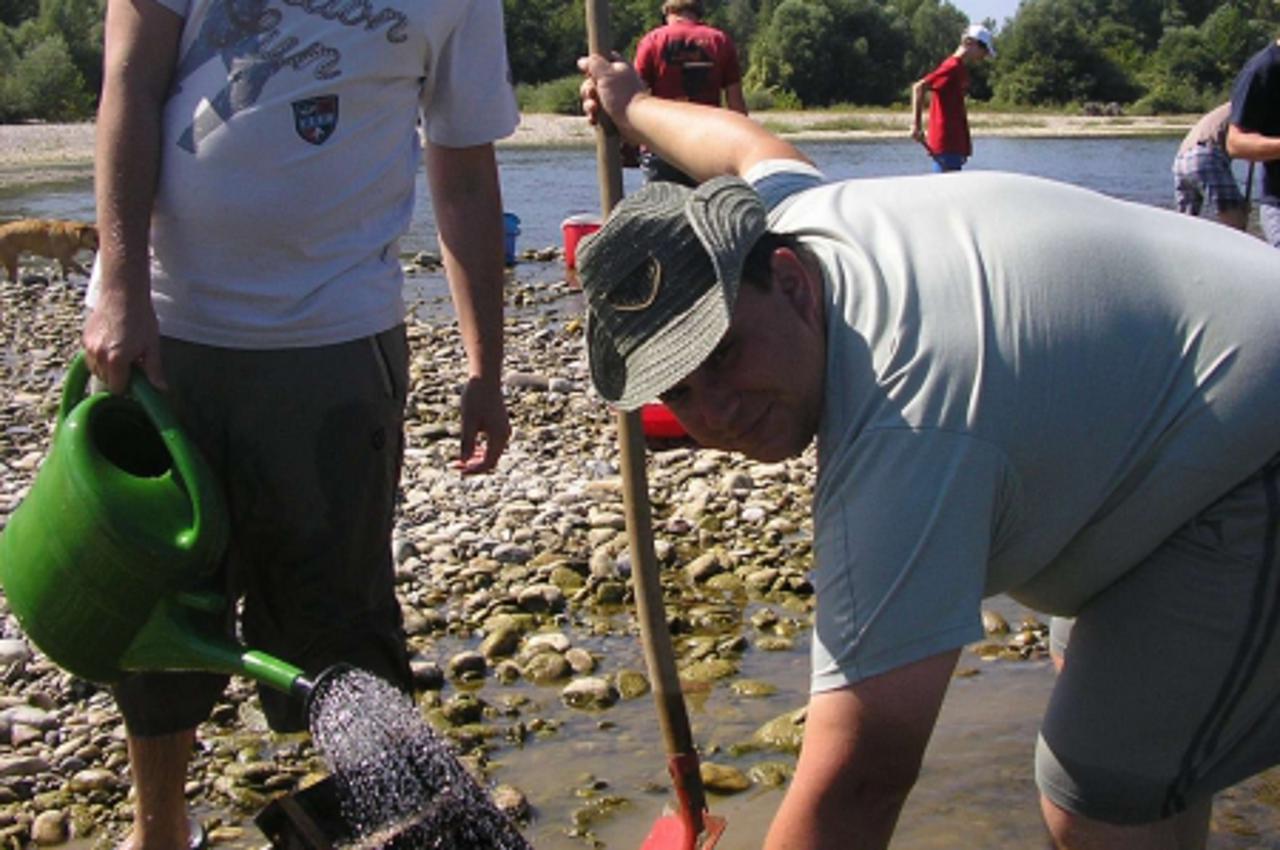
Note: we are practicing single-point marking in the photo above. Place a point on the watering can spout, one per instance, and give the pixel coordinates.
(174, 638)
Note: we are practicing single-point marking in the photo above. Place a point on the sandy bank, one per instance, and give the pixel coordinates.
(32, 154)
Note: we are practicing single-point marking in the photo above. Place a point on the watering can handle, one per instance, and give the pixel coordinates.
(196, 479)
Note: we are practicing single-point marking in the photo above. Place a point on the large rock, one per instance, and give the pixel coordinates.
(22, 766)
(468, 665)
(723, 779)
(783, 733)
(503, 639)
(589, 692)
(13, 651)
(703, 567)
(547, 667)
(632, 684)
(546, 642)
(512, 802)
(49, 828)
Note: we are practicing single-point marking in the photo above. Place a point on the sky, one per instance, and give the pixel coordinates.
(979, 10)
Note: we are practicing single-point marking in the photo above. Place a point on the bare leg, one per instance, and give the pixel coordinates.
(159, 766)
(1187, 831)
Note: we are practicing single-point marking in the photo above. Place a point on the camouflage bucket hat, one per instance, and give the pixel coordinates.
(661, 278)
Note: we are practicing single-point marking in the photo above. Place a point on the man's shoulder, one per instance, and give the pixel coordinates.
(946, 68)
(697, 30)
(1266, 60)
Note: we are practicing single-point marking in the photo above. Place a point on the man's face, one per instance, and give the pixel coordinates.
(760, 391)
(975, 51)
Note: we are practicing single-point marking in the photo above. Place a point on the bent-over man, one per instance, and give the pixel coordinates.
(1047, 393)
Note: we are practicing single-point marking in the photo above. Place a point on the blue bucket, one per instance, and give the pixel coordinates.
(510, 230)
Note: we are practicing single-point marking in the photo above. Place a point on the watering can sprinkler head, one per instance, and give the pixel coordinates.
(308, 689)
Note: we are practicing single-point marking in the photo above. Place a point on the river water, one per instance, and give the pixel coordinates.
(976, 790)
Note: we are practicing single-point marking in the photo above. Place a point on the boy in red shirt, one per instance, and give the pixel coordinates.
(948, 138)
(686, 59)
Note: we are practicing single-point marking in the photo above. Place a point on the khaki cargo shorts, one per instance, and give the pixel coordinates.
(1171, 688)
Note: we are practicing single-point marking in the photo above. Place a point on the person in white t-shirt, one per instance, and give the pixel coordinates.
(1016, 386)
(255, 169)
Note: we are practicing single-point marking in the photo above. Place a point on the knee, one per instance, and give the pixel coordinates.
(1072, 831)
(1061, 823)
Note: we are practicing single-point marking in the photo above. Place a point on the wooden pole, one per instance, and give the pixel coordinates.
(659, 655)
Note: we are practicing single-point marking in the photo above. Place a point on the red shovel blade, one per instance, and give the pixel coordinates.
(674, 832)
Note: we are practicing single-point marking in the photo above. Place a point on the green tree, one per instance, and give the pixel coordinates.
(1231, 36)
(935, 33)
(829, 51)
(9, 55)
(1052, 54)
(1182, 76)
(1193, 67)
(46, 85)
(738, 19)
(79, 22)
(544, 38)
(14, 12)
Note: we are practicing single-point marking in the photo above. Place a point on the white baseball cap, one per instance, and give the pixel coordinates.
(982, 35)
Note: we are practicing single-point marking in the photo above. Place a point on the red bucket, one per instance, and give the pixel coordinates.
(574, 228)
(659, 423)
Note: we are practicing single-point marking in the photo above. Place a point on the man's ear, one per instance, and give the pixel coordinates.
(796, 283)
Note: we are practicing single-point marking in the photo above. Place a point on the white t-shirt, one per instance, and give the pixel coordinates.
(1029, 387)
(290, 152)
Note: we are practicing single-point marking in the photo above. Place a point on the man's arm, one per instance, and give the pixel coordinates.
(862, 750)
(734, 99)
(141, 48)
(702, 141)
(467, 198)
(1255, 147)
(917, 109)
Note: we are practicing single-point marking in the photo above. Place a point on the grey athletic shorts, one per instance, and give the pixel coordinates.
(308, 445)
(1171, 688)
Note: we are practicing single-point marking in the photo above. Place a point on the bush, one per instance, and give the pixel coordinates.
(559, 97)
(765, 99)
(1174, 96)
(831, 50)
(45, 85)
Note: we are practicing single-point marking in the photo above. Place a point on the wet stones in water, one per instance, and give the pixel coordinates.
(400, 785)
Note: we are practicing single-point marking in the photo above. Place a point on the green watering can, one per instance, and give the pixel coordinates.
(99, 560)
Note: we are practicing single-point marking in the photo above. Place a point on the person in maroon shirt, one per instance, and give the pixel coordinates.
(948, 138)
(685, 59)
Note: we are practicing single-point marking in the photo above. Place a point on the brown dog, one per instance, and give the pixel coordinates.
(57, 240)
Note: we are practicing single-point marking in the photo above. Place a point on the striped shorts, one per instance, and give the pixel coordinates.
(1171, 687)
(307, 444)
(1204, 173)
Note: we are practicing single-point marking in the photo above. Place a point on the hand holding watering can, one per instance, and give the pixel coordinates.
(123, 519)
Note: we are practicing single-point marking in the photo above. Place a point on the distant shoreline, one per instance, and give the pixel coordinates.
(43, 154)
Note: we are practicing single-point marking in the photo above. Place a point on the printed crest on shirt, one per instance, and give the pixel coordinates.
(316, 118)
